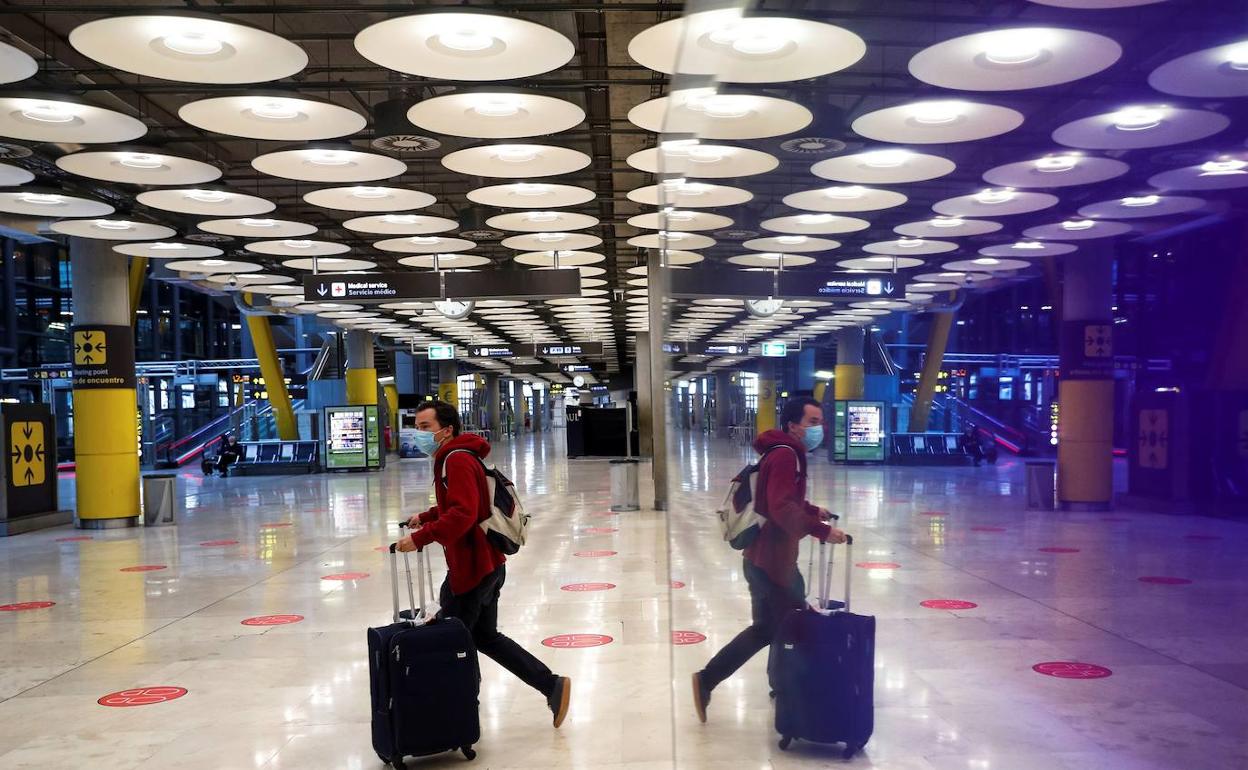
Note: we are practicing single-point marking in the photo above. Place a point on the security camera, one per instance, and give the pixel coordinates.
(617, 295)
(232, 282)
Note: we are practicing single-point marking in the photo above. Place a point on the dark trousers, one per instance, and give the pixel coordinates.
(478, 610)
(769, 603)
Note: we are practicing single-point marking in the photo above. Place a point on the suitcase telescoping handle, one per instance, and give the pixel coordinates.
(825, 571)
(423, 573)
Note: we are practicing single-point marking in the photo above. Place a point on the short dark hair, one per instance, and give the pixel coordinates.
(795, 409)
(445, 414)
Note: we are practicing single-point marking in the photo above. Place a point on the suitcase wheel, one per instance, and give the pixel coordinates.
(784, 743)
(469, 753)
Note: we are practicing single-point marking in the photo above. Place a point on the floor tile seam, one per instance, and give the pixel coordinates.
(172, 621)
(1075, 618)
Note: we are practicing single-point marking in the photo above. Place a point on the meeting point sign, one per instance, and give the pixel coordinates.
(103, 356)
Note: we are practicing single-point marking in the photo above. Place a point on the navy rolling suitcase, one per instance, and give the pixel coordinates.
(822, 669)
(424, 677)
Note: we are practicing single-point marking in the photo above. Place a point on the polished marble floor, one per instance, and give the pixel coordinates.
(955, 688)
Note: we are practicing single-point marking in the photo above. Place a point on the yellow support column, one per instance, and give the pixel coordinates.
(274, 378)
(361, 371)
(765, 417)
(937, 342)
(448, 385)
(138, 272)
(106, 436)
(850, 379)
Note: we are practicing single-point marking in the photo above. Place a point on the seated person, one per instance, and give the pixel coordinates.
(228, 454)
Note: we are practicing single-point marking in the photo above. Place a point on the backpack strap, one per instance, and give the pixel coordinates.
(442, 475)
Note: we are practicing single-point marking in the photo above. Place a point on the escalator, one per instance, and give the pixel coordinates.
(253, 421)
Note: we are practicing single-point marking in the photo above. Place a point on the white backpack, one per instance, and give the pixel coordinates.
(739, 517)
(507, 527)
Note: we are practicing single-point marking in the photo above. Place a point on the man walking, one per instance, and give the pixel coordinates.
(776, 585)
(476, 570)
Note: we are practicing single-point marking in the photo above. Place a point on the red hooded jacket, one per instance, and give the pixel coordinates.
(463, 503)
(782, 496)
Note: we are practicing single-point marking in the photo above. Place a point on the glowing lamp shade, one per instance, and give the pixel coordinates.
(1138, 118)
(188, 48)
(61, 119)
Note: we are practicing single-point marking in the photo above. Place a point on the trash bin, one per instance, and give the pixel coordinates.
(1042, 485)
(624, 493)
(159, 495)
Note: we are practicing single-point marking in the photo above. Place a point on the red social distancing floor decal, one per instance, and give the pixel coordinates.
(1164, 580)
(145, 568)
(73, 539)
(577, 641)
(594, 554)
(677, 584)
(142, 696)
(217, 543)
(878, 565)
(948, 604)
(272, 620)
(604, 514)
(26, 606)
(346, 576)
(1072, 670)
(275, 525)
(599, 530)
(987, 529)
(1055, 549)
(587, 587)
(687, 637)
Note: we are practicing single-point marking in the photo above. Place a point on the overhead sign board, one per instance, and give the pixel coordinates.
(723, 349)
(801, 284)
(536, 350)
(676, 348)
(441, 352)
(853, 286)
(775, 349)
(430, 286)
(577, 368)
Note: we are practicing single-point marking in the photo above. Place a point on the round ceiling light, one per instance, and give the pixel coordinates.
(683, 193)
(206, 201)
(541, 221)
(562, 258)
(1015, 59)
(910, 247)
(297, 247)
(243, 282)
(214, 266)
(188, 48)
(880, 263)
(705, 113)
(1077, 229)
(1057, 170)
(987, 265)
(1214, 73)
(1142, 206)
(516, 161)
(369, 198)
(1222, 173)
(112, 229)
(887, 166)
(947, 227)
(64, 120)
(746, 49)
(844, 199)
(791, 244)
(445, 261)
(12, 176)
(681, 221)
(401, 225)
(1096, 4)
(673, 240)
(328, 164)
(252, 227)
(553, 240)
(273, 117)
(329, 264)
(1028, 249)
(525, 195)
(815, 224)
(424, 244)
(1140, 126)
(15, 64)
(937, 122)
(51, 203)
(464, 46)
(995, 203)
(773, 260)
(495, 114)
(138, 167)
(690, 158)
(169, 250)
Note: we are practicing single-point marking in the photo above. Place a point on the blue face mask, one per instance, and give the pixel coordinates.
(813, 437)
(426, 441)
